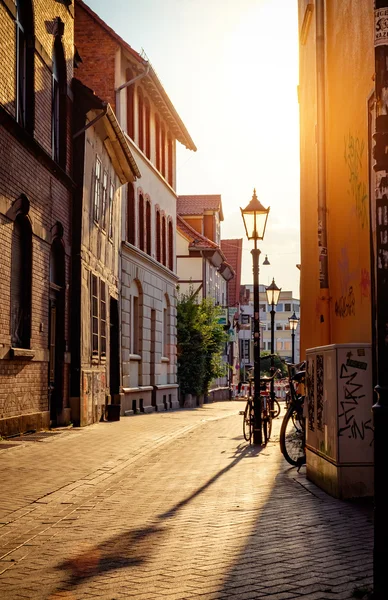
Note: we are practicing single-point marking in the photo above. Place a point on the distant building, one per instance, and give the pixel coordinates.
(286, 306)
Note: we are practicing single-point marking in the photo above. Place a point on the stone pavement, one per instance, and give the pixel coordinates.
(172, 506)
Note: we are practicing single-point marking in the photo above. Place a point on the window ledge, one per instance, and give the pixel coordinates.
(135, 357)
(22, 353)
(165, 359)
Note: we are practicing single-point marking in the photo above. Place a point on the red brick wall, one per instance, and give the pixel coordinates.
(25, 169)
(97, 49)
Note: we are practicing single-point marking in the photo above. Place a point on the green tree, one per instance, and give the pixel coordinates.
(200, 340)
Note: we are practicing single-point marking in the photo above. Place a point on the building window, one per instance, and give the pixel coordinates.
(166, 327)
(135, 319)
(111, 203)
(131, 214)
(163, 157)
(102, 318)
(104, 198)
(280, 307)
(158, 237)
(21, 268)
(279, 327)
(147, 128)
(141, 222)
(97, 190)
(279, 345)
(59, 84)
(95, 328)
(170, 246)
(24, 65)
(140, 108)
(148, 226)
(157, 142)
(164, 248)
(263, 307)
(287, 307)
(245, 344)
(245, 319)
(170, 160)
(130, 95)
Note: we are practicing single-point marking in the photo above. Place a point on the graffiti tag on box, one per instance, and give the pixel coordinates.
(351, 420)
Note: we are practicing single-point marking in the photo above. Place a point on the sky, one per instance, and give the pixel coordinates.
(231, 71)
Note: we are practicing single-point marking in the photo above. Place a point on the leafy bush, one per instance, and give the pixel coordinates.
(200, 341)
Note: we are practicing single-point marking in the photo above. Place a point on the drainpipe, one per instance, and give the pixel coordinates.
(321, 156)
(380, 409)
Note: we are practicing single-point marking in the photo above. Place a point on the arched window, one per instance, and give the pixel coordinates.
(130, 96)
(170, 151)
(140, 108)
(147, 128)
(157, 142)
(131, 214)
(148, 227)
(163, 144)
(158, 237)
(21, 269)
(141, 222)
(59, 85)
(170, 246)
(24, 64)
(164, 241)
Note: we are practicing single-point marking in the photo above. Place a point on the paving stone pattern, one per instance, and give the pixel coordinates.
(172, 506)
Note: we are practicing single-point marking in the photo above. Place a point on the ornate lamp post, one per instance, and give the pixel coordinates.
(293, 321)
(255, 220)
(273, 295)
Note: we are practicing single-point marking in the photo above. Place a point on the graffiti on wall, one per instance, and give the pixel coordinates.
(351, 424)
(345, 306)
(354, 156)
(365, 283)
(320, 391)
(310, 393)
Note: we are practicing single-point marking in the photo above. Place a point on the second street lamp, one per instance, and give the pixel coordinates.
(293, 321)
(255, 220)
(273, 295)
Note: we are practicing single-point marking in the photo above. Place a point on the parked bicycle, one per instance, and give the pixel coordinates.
(269, 410)
(293, 429)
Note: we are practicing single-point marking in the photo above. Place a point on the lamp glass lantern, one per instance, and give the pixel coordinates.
(273, 293)
(255, 218)
(293, 321)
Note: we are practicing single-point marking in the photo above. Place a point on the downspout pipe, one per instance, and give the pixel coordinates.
(321, 170)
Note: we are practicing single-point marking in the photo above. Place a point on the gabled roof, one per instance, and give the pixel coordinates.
(115, 141)
(197, 205)
(195, 239)
(151, 82)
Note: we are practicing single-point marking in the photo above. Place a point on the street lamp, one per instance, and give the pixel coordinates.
(255, 219)
(293, 321)
(273, 295)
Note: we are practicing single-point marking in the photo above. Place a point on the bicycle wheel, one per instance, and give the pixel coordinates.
(292, 436)
(276, 409)
(247, 422)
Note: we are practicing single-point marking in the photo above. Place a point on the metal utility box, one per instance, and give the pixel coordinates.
(338, 410)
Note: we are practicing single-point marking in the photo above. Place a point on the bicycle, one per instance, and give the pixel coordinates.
(267, 411)
(293, 429)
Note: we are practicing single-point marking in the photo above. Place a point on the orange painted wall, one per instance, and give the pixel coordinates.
(345, 314)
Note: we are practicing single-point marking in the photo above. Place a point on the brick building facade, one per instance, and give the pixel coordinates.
(36, 54)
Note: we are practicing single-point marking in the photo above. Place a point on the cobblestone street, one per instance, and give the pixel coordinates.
(172, 506)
